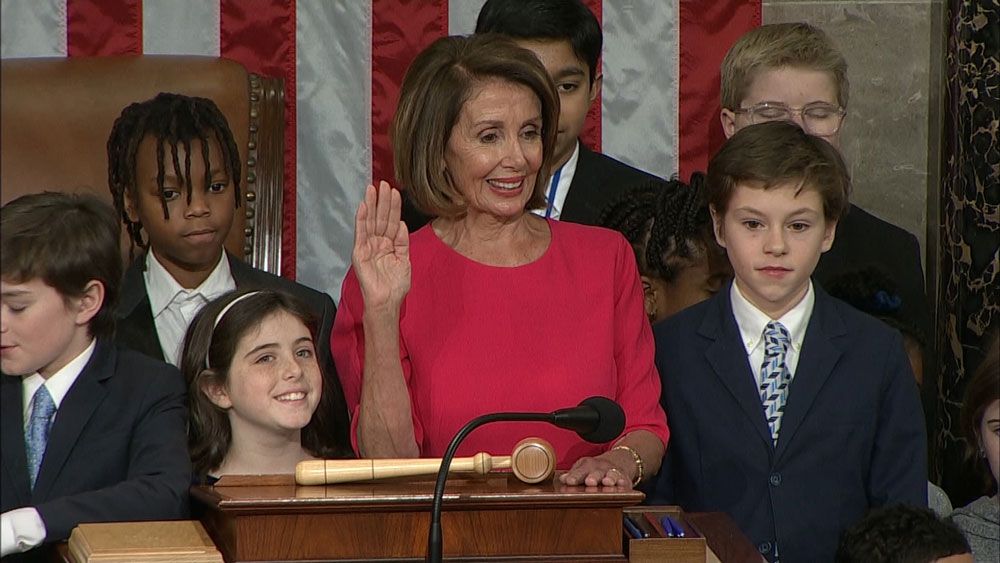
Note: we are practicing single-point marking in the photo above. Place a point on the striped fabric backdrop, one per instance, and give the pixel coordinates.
(343, 62)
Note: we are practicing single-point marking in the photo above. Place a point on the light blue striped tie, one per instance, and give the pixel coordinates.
(774, 375)
(37, 434)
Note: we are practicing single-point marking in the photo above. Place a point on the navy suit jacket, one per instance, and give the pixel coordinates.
(852, 435)
(598, 181)
(137, 330)
(117, 449)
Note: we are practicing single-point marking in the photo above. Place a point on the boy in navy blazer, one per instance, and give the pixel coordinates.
(91, 433)
(790, 410)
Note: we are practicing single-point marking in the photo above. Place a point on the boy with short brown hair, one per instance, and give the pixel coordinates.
(792, 411)
(91, 432)
(794, 72)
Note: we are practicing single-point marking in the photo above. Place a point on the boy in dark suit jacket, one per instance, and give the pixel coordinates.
(791, 411)
(91, 433)
(174, 172)
(793, 71)
(566, 37)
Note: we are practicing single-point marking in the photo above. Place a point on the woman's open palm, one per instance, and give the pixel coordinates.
(381, 255)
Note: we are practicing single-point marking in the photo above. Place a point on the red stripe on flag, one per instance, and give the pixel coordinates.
(97, 28)
(591, 134)
(707, 30)
(260, 34)
(400, 30)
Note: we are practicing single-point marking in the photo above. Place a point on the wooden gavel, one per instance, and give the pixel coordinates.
(532, 461)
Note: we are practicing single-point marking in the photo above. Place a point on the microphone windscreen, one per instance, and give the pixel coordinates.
(611, 420)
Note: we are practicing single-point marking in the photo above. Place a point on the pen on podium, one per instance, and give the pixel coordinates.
(667, 528)
(640, 525)
(675, 530)
(632, 529)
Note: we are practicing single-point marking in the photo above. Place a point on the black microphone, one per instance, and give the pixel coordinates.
(596, 419)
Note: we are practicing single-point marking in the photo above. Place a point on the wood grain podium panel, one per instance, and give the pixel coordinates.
(493, 518)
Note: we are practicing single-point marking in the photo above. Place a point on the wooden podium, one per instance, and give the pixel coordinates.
(492, 518)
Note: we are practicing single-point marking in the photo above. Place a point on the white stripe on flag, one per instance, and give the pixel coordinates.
(462, 16)
(639, 98)
(334, 138)
(185, 27)
(34, 28)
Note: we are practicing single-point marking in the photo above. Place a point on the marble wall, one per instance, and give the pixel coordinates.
(891, 139)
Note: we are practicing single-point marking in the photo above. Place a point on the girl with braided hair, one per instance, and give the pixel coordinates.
(670, 230)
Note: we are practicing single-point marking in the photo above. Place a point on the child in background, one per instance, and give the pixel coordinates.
(794, 412)
(91, 432)
(980, 520)
(670, 230)
(871, 291)
(794, 72)
(903, 534)
(256, 391)
(174, 174)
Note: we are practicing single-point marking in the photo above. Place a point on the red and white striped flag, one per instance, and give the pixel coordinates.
(343, 62)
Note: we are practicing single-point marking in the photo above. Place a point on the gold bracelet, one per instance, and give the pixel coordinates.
(638, 462)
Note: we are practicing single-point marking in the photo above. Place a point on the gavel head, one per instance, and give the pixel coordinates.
(533, 460)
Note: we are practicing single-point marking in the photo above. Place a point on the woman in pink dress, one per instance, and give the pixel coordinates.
(489, 307)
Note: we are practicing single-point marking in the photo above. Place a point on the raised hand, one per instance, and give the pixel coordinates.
(381, 255)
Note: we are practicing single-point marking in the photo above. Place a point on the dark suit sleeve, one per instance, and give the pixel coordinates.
(898, 471)
(323, 339)
(159, 471)
(660, 489)
(334, 401)
(915, 304)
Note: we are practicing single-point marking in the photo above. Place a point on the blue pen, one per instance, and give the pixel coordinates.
(677, 529)
(668, 527)
(638, 525)
(631, 528)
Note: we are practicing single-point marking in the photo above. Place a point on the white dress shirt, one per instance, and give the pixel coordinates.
(174, 307)
(22, 529)
(752, 322)
(562, 189)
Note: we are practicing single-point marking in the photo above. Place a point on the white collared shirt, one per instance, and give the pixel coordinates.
(174, 307)
(58, 384)
(22, 529)
(566, 174)
(752, 321)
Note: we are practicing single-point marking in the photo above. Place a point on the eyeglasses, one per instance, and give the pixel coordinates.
(819, 118)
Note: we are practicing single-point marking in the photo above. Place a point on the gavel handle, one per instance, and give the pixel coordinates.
(329, 471)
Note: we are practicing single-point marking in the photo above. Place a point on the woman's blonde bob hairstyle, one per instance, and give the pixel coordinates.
(437, 85)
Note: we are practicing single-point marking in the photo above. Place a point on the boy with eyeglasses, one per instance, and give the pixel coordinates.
(794, 72)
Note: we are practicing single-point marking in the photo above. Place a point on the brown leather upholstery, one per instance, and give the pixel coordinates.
(57, 114)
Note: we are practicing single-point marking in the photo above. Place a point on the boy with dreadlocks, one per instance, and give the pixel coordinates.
(174, 173)
(670, 230)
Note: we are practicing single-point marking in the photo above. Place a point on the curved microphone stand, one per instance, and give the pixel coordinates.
(434, 535)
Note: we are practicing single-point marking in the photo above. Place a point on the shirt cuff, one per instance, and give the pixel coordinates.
(20, 530)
